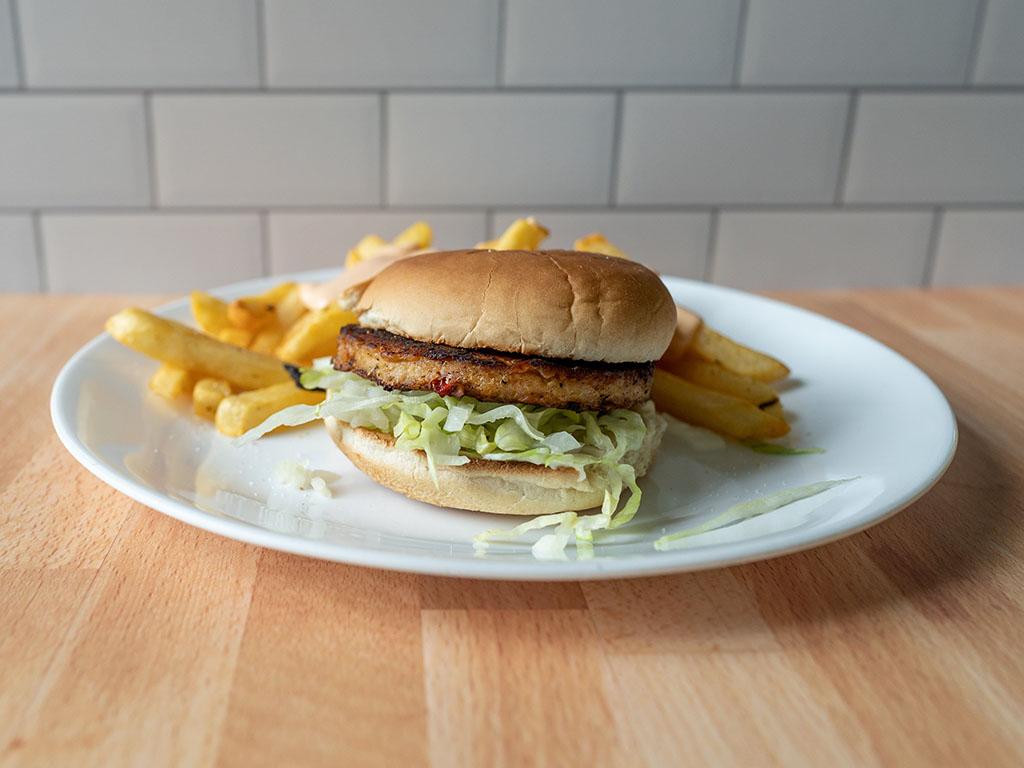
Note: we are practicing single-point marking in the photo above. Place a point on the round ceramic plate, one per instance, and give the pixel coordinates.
(878, 418)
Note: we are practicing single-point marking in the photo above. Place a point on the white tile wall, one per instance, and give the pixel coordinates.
(1001, 55)
(858, 42)
(168, 253)
(938, 148)
(146, 44)
(18, 269)
(381, 43)
(823, 135)
(267, 150)
(764, 251)
(730, 148)
(8, 60)
(671, 243)
(72, 150)
(314, 240)
(980, 247)
(620, 42)
(512, 149)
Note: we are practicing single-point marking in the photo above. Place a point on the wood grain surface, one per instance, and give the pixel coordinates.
(127, 637)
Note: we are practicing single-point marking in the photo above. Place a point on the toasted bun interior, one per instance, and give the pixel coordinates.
(503, 487)
(560, 304)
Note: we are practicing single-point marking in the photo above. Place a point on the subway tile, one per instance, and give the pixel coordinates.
(620, 42)
(980, 248)
(143, 252)
(150, 45)
(72, 150)
(8, 61)
(670, 243)
(267, 149)
(19, 271)
(381, 44)
(811, 250)
(921, 148)
(730, 148)
(867, 42)
(314, 240)
(499, 149)
(1001, 51)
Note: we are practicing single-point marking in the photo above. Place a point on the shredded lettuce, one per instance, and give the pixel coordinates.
(774, 449)
(748, 509)
(452, 430)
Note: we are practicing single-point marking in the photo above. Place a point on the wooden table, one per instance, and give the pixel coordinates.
(129, 638)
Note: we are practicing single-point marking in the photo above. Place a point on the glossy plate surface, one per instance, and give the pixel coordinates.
(877, 416)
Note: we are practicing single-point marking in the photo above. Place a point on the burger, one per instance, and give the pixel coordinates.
(513, 382)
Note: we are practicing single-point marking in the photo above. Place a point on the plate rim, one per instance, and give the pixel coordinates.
(630, 566)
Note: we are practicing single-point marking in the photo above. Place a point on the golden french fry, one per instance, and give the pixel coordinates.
(177, 344)
(487, 245)
(171, 382)
(598, 243)
(254, 313)
(266, 341)
(290, 308)
(715, 348)
(687, 325)
(210, 313)
(714, 376)
(207, 395)
(521, 235)
(365, 249)
(418, 235)
(313, 335)
(237, 414)
(775, 409)
(240, 337)
(714, 410)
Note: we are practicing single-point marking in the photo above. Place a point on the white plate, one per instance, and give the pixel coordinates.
(877, 416)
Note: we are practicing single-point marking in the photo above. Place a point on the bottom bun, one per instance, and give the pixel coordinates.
(503, 487)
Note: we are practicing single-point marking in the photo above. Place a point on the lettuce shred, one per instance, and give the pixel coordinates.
(452, 430)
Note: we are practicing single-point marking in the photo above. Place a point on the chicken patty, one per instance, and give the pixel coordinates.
(397, 362)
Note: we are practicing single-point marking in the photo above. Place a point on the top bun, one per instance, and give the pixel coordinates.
(561, 304)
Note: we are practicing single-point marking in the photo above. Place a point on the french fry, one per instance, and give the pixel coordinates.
(722, 413)
(207, 395)
(313, 335)
(177, 344)
(522, 234)
(598, 243)
(254, 313)
(365, 249)
(714, 376)
(240, 337)
(715, 348)
(237, 414)
(290, 308)
(266, 341)
(171, 382)
(418, 235)
(210, 313)
(687, 325)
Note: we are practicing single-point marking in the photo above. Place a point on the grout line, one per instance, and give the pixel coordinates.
(426, 208)
(523, 89)
(980, 15)
(261, 44)
(933, 248)
(613, 180)
(19, 50)
(499, 45)
(264, 244)
(709, 257)
(37, 232)
(383, 149)
(844, 156)
(741, 42)
(147, 112)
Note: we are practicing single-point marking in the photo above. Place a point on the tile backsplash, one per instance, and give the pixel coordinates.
(161, 145)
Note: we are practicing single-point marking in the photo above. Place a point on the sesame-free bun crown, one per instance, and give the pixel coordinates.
(561, 304)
